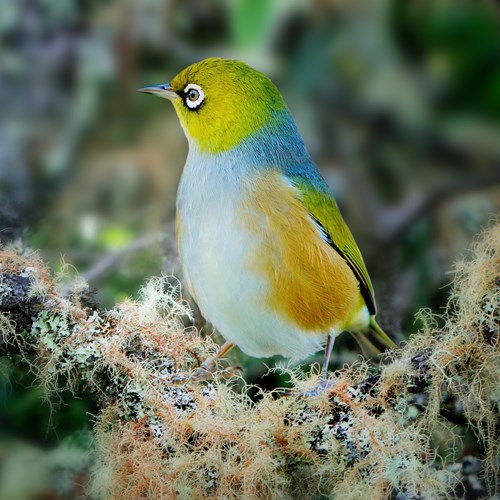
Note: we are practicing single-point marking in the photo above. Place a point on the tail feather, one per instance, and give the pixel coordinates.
(369, 349)
(380, 335)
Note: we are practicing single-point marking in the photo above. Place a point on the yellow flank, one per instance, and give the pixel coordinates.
(310, 284)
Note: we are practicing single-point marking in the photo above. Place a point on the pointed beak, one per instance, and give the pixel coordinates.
(162, 90)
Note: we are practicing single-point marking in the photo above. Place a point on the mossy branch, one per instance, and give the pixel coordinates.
(364, 436)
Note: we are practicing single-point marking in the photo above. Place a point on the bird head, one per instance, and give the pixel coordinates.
(221, 102)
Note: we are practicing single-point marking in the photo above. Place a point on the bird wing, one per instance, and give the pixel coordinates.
(319, 202)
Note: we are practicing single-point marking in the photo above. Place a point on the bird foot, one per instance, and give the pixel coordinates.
(206, 372)
(322, 386)
(203, 372)
(207, 368)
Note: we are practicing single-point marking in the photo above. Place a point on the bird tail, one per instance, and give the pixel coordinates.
(369, 349)
(380, 335)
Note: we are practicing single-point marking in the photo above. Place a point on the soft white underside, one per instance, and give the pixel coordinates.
(215, 250)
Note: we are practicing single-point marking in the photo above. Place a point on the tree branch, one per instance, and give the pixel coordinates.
(365, 435)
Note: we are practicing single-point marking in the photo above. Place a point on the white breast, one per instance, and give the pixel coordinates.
(215, 250)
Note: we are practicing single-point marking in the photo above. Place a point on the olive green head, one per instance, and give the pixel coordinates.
(221, 102)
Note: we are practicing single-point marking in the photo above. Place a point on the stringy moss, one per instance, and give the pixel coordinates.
(361, 438)
(467, 359)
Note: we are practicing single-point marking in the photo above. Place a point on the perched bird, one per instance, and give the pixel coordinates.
(264, 249)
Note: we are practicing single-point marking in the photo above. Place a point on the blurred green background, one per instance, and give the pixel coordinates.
(398, 102)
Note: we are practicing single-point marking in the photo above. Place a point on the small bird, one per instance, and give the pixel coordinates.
(265, 252)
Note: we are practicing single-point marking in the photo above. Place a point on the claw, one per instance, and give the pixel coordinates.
(180, 378)
(232, 371)
(201, 374)
(206, 369)
(322, 386)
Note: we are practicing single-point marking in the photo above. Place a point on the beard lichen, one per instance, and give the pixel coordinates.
(369, 434)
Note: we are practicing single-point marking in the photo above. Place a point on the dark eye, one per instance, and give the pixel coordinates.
(193, 95)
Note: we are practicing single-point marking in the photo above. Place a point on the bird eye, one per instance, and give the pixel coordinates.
(194, 96)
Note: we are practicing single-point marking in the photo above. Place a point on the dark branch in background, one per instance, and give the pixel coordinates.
(396, 223)
(114, 257)
(356, 129)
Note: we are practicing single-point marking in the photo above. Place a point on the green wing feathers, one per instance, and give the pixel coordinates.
(323, 208)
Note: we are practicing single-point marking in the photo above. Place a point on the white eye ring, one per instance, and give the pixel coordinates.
(194, 95)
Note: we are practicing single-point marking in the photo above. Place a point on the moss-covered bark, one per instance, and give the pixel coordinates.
(370, 434)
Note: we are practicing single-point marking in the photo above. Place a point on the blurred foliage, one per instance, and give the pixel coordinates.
(27, 414)
(460, 48)
(398, 101)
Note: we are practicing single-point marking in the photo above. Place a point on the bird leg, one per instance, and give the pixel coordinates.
(205, 370)
(323, 383)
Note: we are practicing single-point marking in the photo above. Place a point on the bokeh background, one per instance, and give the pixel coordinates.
(398, 102)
